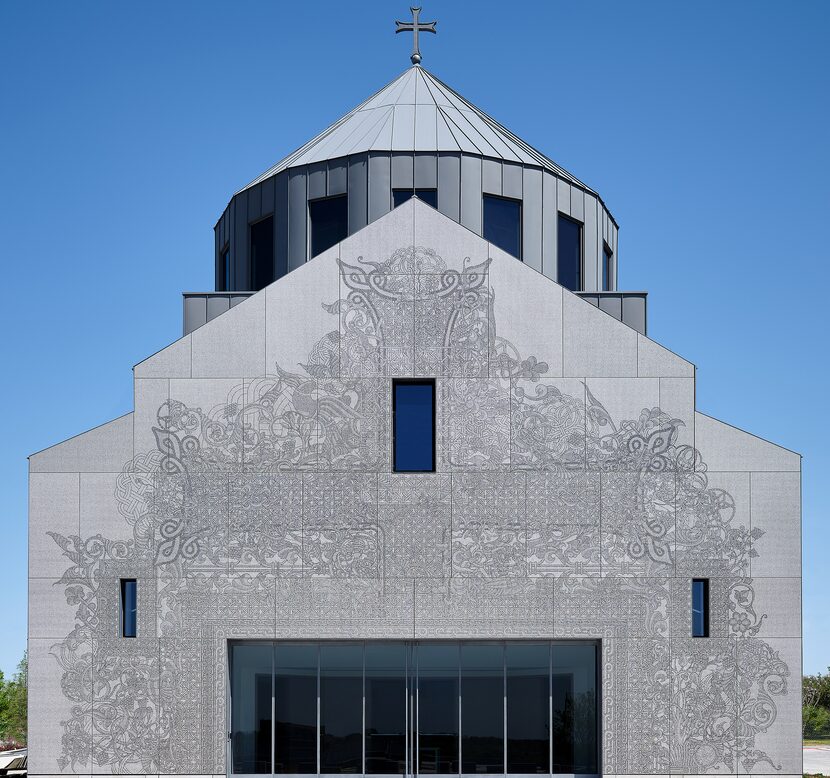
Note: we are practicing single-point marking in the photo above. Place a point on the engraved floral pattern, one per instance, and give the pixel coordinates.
(274, 513)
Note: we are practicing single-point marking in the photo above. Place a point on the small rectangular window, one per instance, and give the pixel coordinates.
(329, 219)
(262, 253)
(413, 422)
(700, 608)
(129, 607)
(503, 224)
(607, 268)
(429, 196)
(569, 253)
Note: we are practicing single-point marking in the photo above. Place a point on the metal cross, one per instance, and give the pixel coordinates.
(414, 27)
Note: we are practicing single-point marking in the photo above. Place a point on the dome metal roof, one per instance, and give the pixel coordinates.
(417, 112)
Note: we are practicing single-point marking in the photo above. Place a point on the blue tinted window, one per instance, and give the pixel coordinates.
(329, 222)
(569, 253)
(503, 224)
(429, 196)
(129, 607)
(700, 608)
(607, 270)
(414, 421)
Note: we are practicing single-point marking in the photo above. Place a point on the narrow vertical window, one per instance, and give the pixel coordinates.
(262, 253)
(224, 274)
(329, 222)
(607, 268)
(129, 607)
(569, 253)
(700, 608)
(413, 422)
(503, 224)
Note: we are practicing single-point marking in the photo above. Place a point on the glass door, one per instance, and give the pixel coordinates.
(433, 708)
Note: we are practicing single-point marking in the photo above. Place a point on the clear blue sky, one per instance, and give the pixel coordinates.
(127, 126)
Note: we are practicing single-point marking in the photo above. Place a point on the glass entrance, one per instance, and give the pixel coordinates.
(410, 708)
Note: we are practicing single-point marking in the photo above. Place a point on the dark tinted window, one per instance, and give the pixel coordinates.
(386, 700)
(223, 275)
(329, 222)
(700, 608)
(503, 224)
(429, 196)
(438, 708)
(482, 708)
(341, 708)
(569, 253)
(295, 708)
(413, 408)
(129, 607)
(262, 253)
(607, 268)
(574, 707)
(528, 715)
(251, 678)
(399, 708)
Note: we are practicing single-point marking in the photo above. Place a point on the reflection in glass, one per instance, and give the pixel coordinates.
(700, 608)
(129, 607)
(251, 707)
(574, 698)
(394, 708)
(482, 708)
(528, 725)
(438, 708)
(295, 708)
(341, 708)
(386, 698)
(503, 224)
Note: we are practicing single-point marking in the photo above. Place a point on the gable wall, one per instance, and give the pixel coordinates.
(577, 492)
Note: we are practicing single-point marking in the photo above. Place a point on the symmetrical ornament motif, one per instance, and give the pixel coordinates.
(273, 513)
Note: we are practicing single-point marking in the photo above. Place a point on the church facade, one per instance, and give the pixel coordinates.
(415, 493)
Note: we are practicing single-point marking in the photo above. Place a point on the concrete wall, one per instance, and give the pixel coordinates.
(461, 181)
(577, 492)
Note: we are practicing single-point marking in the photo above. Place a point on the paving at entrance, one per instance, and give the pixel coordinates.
(817, 760)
